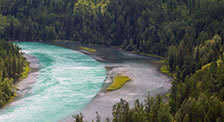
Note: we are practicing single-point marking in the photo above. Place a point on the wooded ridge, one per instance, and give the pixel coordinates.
(189, 33)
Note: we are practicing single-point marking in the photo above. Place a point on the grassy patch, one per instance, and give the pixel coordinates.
(167, 95)
(162, 61)
(26, 70)
(164, 69)
(118, 82)
(88, 49)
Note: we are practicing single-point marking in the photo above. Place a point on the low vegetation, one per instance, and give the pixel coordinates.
(118, 82)
(199, 98)
(189, 33)
(197, 91)
(26, 70)
(88, 49)
(165, 69)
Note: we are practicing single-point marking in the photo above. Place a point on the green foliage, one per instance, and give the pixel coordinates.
(199, 97)
(3, 24)
(164, 69)
(9, 26)
(164, 114)
(118, 82)
(190, 59)
(6, 91)
(172, 52)
(121, 112)
(148, 26)
(152, 110)
(201, 109)
(12, 68)
(26, 70)
(88, 49)
(188, 32)
(78, 118)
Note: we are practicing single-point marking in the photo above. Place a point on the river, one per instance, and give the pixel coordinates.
(69, 82)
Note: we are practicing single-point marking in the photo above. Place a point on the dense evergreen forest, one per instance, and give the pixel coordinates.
(189, 33)
(149, 26)
(12, 65)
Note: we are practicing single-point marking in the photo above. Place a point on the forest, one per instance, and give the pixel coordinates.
(188, 33)
(12, 67)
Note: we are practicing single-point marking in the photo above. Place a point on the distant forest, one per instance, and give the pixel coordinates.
(189, 33)
(149, 26)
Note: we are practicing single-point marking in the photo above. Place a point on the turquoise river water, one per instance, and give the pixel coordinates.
(67, 81)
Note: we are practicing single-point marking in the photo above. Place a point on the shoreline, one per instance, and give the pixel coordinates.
(115, 47)
(116, 61)
(25, 85)
(129, 89)
(109, 78)
(137, 70)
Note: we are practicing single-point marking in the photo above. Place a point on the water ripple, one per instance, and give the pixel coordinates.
(68, 80)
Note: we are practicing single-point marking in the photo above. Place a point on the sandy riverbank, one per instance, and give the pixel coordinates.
(145, 78)
(144, 75)
(138, 88)
(24, 86)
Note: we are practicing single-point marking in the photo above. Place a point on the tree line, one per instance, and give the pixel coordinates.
(189, 33)
(11, 67)
(149, 26)
(197, 92)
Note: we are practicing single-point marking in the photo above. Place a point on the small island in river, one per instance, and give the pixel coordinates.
(112, 60)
